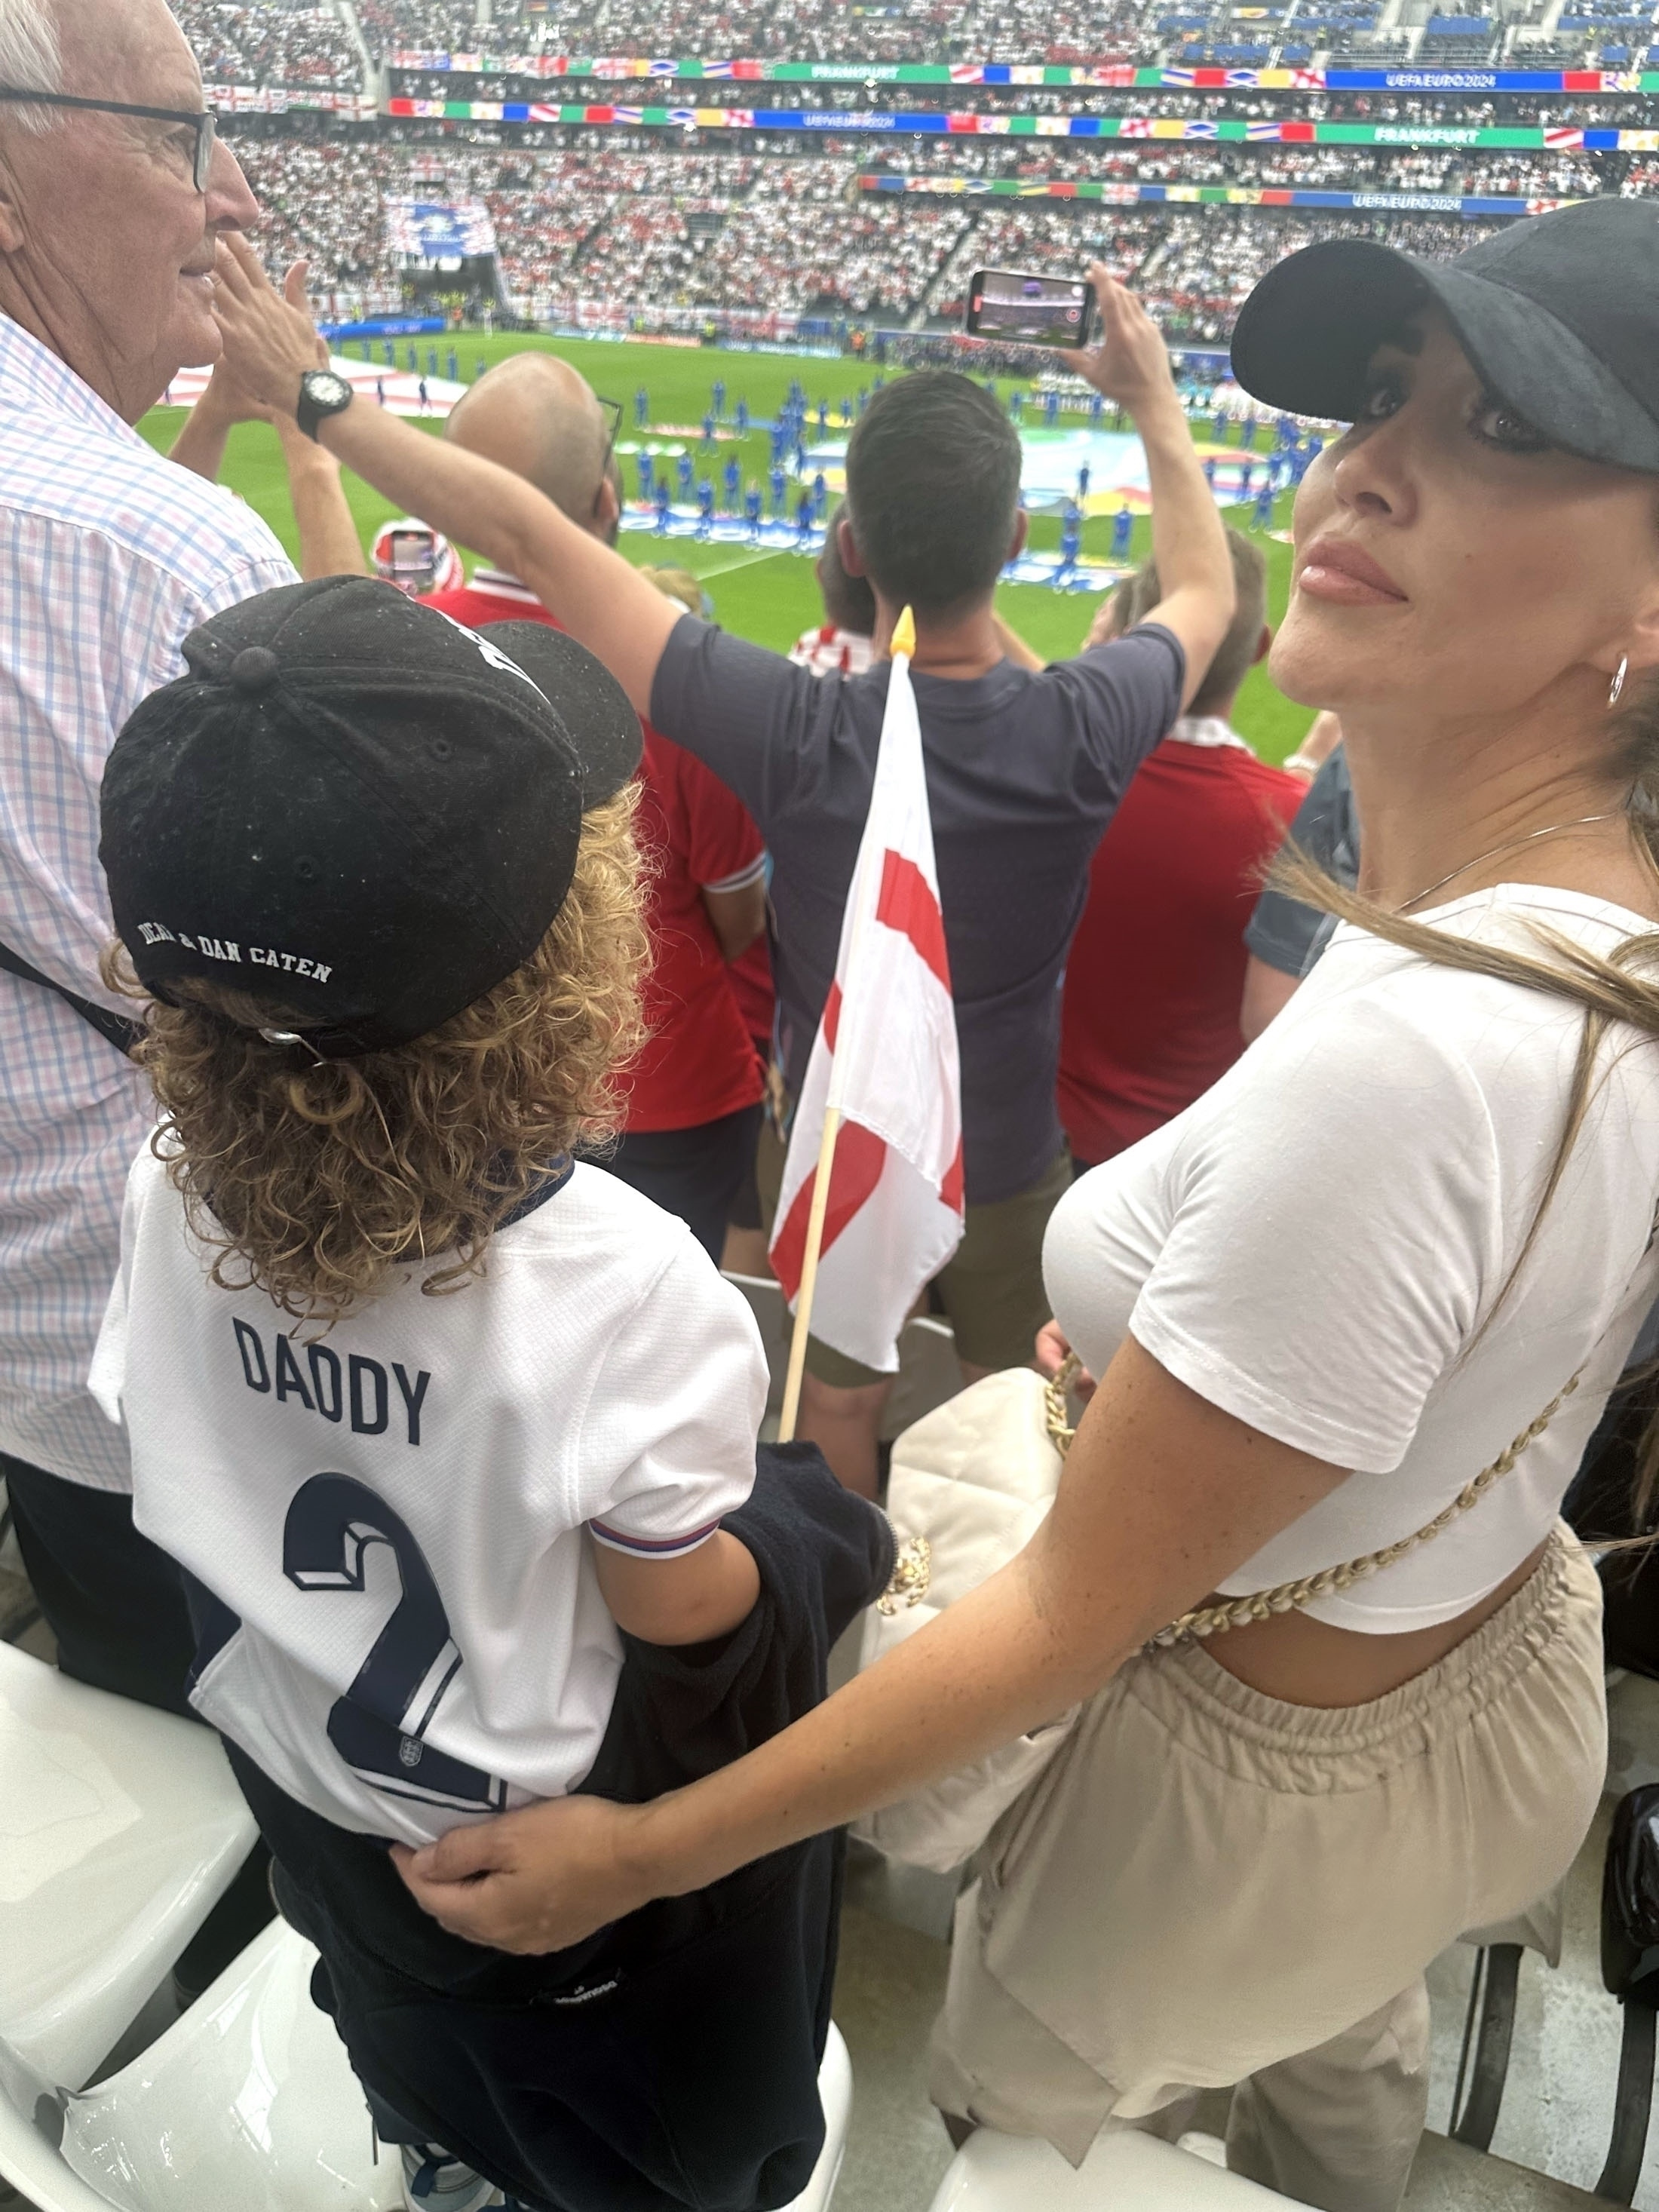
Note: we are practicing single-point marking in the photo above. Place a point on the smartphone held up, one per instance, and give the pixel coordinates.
(1023, 309)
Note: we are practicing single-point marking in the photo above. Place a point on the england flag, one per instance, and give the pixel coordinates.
(885, 1065)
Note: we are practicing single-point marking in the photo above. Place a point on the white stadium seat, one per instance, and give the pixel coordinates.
(247, 2104)
(120, 1828)
(1124, 2172)
(247, 2101)
(835, 2095)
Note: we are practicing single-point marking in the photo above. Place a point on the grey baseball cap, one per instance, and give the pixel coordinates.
(1560, 313)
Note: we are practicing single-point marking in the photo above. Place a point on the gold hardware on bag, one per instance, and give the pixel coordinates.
(1329, 1581)
(1056, 1412)
(913, 1572)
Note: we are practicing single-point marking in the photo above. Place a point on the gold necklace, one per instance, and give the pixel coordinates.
(1554, 830)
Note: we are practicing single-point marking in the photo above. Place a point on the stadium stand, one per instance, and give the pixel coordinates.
(645, 210)
(270, 46)
(653, 226)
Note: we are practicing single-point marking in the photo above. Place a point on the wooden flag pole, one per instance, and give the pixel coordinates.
(809, 1276)
(904, 642)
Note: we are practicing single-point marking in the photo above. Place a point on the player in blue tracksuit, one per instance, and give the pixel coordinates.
(741, 417)
(1071, 540)
(705, 507)
(647, 468)
(719, 397)
(733, 483)
(687, 470)
(1123, 524)
(780, 492)
(1262, 517)
(1082, 483)
(752, 507)
(662, 506)
(642, 408)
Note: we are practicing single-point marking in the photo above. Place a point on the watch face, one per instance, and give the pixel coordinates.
(326, 389)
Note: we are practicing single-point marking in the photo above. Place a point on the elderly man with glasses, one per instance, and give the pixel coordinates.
(110, 211)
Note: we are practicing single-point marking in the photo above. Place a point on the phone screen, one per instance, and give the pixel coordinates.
(1045, 310)
(413, 553)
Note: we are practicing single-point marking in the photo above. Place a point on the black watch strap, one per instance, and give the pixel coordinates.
(312, 410)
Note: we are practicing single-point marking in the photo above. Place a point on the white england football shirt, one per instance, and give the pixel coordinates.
(392, 1511)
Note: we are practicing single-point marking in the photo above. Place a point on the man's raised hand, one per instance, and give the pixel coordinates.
(271, 341)
(1131, 365)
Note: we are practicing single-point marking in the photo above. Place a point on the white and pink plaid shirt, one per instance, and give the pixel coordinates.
(109, 556)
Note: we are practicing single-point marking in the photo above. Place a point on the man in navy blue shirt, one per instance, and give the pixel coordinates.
(1024, 767)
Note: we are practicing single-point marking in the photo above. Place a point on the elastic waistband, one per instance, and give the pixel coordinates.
(1470, 1678)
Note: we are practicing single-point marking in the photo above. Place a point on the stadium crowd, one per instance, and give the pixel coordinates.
(627, 218)
(805, 30)
(1073, 31)
(296, 45)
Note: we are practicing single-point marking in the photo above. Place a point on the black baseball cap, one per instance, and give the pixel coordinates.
(356, 808)
(1560, 313)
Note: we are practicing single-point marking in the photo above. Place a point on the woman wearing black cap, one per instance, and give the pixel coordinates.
(1355, 1315)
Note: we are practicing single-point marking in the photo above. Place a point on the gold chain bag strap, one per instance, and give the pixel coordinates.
(1288, 1597)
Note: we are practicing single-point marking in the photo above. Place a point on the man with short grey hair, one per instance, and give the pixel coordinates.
(113, 192)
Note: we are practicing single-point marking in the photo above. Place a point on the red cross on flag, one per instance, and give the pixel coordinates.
(871, 1207)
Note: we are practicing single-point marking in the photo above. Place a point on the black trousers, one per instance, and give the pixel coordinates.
(667, 2064)
(113, 1601)
(115, 1604)
(695, 1173)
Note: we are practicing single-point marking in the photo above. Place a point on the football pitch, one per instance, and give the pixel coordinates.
(766, 594)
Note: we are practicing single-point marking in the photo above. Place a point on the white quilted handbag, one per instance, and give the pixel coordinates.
(970, 1484)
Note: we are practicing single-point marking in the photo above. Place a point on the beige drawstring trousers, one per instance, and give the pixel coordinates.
(1210, 1887)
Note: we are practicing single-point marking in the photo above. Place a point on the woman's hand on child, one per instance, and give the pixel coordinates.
(530, 1881)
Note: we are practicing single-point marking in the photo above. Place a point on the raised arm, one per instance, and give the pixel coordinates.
(1189, 544)
(599, 597)
(330, 544)
(684, 1600)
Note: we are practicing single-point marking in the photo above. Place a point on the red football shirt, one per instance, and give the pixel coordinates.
(699, 1062)
(757, 995)
(1150, 1017)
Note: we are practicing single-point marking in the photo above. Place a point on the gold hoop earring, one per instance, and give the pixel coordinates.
(1618, 681)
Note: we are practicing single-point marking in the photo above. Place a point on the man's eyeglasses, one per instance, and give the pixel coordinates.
(202, 121)
(612, 409)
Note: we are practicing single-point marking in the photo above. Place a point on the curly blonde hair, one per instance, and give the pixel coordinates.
(314, 1182)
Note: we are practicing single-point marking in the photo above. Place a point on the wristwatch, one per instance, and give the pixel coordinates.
(322, 394)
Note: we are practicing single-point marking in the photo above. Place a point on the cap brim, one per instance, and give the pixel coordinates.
(1308, 331)
(603, 728)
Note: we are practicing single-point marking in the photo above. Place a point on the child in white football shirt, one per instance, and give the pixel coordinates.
(426, 1413)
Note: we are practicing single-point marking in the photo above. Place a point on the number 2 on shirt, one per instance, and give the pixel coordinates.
(378, 1726)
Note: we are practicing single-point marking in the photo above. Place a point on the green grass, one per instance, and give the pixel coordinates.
(770, 597)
